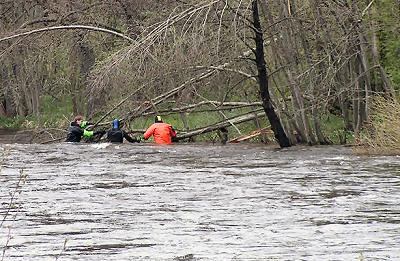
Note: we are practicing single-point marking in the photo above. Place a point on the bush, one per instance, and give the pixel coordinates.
(381, 135)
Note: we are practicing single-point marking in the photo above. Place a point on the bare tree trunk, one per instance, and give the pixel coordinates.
(345, 95)
(356, 102)
(363, 92)
(276, 125)
(317, 126)
(36, 74)
(35, 97)
(289, 131)
(290, 124)
(292, 56)
(182, 114)
(386, 84)
(284, 57)
(364, 71)
(345, 107)
(317, 84)
(81, 60)
(19, 84)
(6, 102)
(298, 101)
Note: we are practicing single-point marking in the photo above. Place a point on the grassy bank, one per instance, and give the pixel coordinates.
(54, 113)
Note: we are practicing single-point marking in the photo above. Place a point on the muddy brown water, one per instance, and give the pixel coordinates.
(197, 202)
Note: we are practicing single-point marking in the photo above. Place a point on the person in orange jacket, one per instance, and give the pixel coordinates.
(163, 133)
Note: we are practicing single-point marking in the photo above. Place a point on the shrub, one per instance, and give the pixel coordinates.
(381, 135)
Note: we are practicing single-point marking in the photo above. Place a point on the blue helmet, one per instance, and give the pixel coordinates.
(115, 124)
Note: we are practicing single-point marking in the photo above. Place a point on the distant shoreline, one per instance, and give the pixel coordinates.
(15, 136)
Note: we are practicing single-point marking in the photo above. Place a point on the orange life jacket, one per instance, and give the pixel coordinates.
(162, 133)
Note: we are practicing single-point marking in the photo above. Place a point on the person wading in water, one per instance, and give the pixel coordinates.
(116, 135)
(78, 129)
(163, 133)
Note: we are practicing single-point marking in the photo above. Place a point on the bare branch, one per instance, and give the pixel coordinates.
(68, 27)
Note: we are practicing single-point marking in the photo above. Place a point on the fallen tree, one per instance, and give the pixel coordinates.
(223, 124)
(255, 133)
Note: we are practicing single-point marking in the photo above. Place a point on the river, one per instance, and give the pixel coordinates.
(197, 202)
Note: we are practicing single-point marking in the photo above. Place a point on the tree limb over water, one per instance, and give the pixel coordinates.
(226, 123)
(68, 27)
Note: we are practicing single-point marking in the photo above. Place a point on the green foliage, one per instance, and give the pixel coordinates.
(54, 113)
(333, 127)
(388, 17)
(11, 123)
(392, 61)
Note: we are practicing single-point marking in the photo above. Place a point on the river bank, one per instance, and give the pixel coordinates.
(9, 136)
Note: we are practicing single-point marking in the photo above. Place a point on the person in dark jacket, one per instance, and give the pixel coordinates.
(77, 130)
(116, 135)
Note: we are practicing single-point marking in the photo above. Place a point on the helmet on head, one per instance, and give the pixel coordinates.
(158, 119)
(115, 124)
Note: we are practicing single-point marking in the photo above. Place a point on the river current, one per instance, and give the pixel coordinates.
(197, 202)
